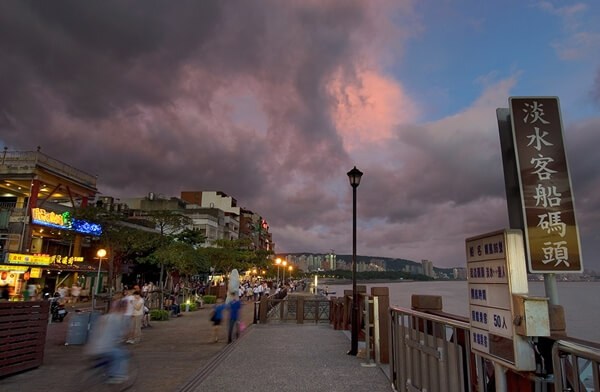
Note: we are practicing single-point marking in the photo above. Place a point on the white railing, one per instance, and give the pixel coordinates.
(430, 353)
(575, 367)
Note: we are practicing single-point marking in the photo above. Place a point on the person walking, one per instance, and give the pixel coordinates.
(105, 341)
(75, 293)
(234, 315)
(217, 316)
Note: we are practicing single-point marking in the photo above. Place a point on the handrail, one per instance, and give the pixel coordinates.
(430, 352)
(433, 317)
(569, 373)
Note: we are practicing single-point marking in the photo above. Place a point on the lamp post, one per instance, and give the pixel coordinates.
(278, 262)
(354, 175)
(284, 263)
(101, 254)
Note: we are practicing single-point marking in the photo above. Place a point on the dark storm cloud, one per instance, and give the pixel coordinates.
(139, 92)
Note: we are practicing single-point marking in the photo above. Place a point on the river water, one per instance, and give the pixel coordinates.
(581, 300)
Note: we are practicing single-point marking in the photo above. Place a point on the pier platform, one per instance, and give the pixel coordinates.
(288, 357)
(178, 355)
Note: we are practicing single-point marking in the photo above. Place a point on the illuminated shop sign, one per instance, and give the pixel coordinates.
(36, 273)
(65, 260)
(59, 259)
(41, 259)
(17, 258)
(13, 268)
(64, 221)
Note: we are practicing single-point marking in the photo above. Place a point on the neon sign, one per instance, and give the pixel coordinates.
(17, 258)
(64, 221)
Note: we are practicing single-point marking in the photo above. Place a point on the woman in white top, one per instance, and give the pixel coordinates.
(137, 304)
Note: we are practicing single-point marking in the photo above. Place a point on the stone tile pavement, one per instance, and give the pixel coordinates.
(289, 357)
(178, 355)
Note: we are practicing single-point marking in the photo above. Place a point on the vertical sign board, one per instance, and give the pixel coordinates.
(495, 271)
(551, 231)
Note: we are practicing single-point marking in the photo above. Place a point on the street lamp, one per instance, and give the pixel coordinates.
(278, 262)
(290, 268)
(284, 263)
(101, 254)
(354, 176)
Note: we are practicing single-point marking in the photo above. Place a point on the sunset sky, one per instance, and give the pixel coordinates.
(272, 102)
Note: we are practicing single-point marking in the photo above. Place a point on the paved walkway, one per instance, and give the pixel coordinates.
(167, 355)
(177, 355)
(289, 357)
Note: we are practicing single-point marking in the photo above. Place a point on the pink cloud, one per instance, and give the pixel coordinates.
(368, 109)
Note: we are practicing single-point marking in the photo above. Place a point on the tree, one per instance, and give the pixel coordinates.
(123, 242)
(225, 255)
(169, 223)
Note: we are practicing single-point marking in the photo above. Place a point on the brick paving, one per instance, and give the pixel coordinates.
(178, 355)
(168, 354)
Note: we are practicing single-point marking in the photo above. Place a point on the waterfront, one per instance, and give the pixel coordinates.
(582, 308)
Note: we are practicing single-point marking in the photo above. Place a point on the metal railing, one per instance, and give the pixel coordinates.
(295, 309)
(575, 367)
(431, 353)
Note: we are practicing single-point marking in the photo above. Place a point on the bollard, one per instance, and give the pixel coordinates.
(300, 310)
(383, 298)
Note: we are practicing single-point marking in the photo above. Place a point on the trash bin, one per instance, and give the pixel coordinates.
(77, 332)
(94, 316)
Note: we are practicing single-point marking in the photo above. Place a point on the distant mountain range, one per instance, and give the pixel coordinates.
(391, 264)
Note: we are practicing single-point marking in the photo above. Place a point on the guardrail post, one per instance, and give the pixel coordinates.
(347, 307)
(383, 297)
(263, 309)
(300, 310)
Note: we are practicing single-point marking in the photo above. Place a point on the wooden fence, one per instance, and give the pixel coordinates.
(22, 335)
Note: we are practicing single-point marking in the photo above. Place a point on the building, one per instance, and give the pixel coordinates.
(460, 273)
(428, 268)
(230, 224)
(213, 213)
(255, 228)
(40, 242)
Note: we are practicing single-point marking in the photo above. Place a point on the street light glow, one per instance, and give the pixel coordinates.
(101, 252)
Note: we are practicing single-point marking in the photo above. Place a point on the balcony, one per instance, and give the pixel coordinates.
(12, 162)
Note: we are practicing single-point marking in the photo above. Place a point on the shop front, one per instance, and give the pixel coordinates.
(26, 276)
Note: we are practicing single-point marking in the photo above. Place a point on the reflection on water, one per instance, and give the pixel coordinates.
(580, 299)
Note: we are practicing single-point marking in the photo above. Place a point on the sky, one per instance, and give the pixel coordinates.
(273, 102)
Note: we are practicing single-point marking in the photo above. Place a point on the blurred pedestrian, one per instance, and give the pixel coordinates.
(105, 343)
(75, 292)
(217, 316)
(234, 315)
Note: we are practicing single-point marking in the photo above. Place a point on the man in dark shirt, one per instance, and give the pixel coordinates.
(234, 315)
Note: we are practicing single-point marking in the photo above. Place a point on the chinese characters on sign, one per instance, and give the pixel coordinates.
(42, 259)
(496, 270)
(551, 232)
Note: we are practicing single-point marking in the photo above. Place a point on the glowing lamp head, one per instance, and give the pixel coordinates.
(101, 253)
